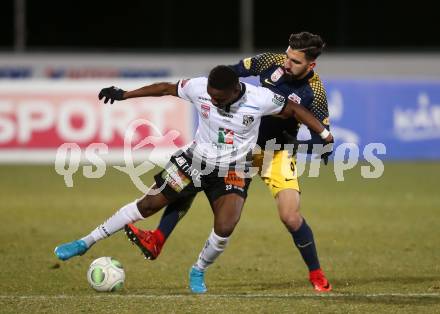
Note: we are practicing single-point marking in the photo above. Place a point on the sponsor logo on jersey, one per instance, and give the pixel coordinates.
(183, 83)
(249, 106)
(201, 98)
(247, 63)
(234, 179)
(277, 74)
(180, 161)
(205, 109)
(224, 113)
(295, 98)
(269, 82)
(185, 172)
(175, 178)
(194, 173)
(248, 119)
(278, 100)
(225, 136)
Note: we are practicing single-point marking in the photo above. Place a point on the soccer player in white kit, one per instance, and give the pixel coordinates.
(218, 161)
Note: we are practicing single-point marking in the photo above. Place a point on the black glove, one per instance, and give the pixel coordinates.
(327, 148)
(111, 93)
(327, 151)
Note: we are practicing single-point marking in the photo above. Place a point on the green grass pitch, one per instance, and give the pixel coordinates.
(378, 242)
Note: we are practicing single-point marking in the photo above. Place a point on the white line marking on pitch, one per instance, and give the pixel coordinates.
(180, 296)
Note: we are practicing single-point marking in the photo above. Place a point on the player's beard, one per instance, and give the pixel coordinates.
(293, 76)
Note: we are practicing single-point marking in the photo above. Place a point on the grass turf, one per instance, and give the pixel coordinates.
(378, 241)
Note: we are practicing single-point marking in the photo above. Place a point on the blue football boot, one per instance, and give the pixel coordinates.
(71, 249)
(197, 281)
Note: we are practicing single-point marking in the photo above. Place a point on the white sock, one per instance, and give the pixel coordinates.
(214, 246)
(126, 215)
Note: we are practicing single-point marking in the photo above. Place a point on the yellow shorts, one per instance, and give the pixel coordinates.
(278, 172)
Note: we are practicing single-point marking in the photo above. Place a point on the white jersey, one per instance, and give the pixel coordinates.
(224, 137)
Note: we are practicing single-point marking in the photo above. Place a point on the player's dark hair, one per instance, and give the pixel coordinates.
(308, 43)
(222, 77)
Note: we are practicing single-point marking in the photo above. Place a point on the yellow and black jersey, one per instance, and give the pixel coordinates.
(308, 91)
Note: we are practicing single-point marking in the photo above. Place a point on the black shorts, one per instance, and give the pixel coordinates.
(180, 179)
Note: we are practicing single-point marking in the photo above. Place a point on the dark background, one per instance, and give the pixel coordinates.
(214, 26)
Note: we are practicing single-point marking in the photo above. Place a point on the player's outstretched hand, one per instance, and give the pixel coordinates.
(111, 93)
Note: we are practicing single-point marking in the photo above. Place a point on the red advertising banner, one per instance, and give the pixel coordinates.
(38, 117)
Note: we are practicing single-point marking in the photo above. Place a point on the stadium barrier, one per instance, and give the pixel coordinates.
(404, 115)
(37, 117)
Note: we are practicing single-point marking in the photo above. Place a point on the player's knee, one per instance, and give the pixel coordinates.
(292, 220)
(288, 208)
(290, 216)
(146, 207)
(224, 229)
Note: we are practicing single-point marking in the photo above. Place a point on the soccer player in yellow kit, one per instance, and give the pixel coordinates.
(291, 74)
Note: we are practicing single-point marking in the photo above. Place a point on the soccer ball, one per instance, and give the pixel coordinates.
(106, 274)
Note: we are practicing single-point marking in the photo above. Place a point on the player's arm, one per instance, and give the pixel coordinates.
(243, 68)
(293, 109)
(319, 108)
(154, 90)
(253, 66)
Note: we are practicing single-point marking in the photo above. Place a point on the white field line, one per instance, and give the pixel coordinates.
(223, 296)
